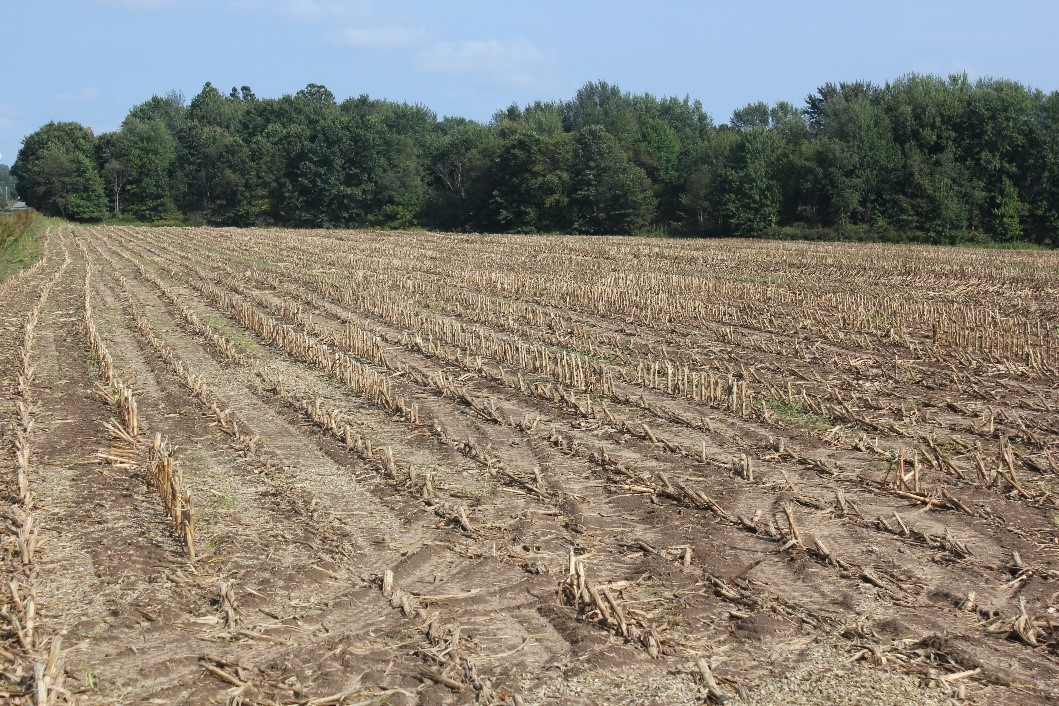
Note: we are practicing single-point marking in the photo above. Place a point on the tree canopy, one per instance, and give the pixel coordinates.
(921, 157)
(58, 175)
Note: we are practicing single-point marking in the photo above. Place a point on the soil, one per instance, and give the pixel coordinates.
(439, 469)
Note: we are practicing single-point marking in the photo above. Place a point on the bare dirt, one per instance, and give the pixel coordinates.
(437, 469)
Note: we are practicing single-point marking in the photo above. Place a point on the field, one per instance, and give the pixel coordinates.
(335, 467)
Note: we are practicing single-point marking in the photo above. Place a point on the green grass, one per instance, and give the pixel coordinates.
(92, 633)
(796, 413)
(241, 342)
(255, 262)
(20, 241)
(147, 263)
(1018, 245)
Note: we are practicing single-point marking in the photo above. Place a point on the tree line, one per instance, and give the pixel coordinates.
(922, 158)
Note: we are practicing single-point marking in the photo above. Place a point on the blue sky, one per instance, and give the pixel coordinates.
(92, 60)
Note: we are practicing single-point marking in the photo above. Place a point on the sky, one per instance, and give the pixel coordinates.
(90, 61)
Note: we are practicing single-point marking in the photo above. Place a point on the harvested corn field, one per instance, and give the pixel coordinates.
(336, 467)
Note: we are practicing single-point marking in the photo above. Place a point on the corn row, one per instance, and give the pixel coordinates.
(340, 425)
(330, 420)
(684, 381)
(695, 300)
(45, 681)
(161, 474)
(449, 643)
(736, 397)
(732, 394)
(717, 389)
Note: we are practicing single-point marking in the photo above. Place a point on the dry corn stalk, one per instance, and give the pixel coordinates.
(161, 474)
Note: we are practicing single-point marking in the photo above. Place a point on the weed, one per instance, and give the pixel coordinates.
(240, 341)
(796, 413)
(20, 241)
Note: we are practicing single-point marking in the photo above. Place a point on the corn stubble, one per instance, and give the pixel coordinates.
(613, 346)
(155, 458)
(43, 681)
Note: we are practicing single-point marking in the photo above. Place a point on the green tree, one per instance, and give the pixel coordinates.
(932, 196)
(140, 163)
(1042, 171)
(69, 186)
(752, 198)
(211, 109)
(169, 109)
(217, 181)
(610, 194)
(149, 154)
(858, 152)
(704, 169)
(456, 161)
(603, 105)
(530, 182)
(112, 155)
(332, 166)
(200, 167)
(57, 173)
(929, 192)
(406, 133)
(752, 115)
(658, 154)
(542, 118)
(793, 164)
(994, 130)
(1007, 211)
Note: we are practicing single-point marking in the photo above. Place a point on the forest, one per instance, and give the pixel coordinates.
(921, 158)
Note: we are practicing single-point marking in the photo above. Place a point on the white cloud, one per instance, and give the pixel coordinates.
(80, 96)
(515, 62)
(349, 23)
(396, 37)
